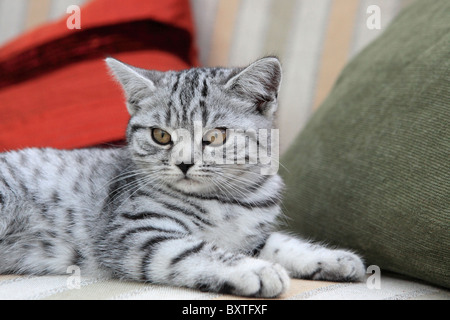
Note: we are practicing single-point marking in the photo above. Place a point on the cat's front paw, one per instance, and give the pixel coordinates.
(258, 278)
(338, 265)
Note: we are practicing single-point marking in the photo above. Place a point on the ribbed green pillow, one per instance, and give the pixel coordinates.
(371, 170)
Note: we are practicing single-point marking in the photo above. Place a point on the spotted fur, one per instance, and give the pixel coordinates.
(131, 213)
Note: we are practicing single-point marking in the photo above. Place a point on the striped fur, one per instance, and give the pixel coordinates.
(131, 213)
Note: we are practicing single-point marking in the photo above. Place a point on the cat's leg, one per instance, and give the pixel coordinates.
(186, 261)
(303, 259)
(196, 264)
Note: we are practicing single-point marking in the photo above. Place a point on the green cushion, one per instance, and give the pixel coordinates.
(371, 170)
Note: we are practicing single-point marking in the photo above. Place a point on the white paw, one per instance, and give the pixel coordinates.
(258, 278)
(338, 265)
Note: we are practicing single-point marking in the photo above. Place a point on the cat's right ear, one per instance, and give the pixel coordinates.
(136, 82)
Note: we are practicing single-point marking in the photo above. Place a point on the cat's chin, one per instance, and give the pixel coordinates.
(190, 185)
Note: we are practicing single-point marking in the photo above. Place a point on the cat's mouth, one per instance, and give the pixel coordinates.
(189, 184)
(188, 180)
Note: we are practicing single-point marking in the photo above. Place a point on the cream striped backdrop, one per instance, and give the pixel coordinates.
(314, 39)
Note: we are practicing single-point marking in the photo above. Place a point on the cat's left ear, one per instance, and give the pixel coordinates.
(137, 83)
(259, 83)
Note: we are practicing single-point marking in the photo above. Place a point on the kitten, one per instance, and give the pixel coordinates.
(157, 212)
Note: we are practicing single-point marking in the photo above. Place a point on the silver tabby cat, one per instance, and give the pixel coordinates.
(142, 213)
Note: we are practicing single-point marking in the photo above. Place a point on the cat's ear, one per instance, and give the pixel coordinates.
(137, 83)
(259, 83)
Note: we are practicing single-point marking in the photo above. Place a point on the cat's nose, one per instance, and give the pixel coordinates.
(184, 167)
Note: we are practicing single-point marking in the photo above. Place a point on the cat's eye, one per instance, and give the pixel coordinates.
(215, 137)
(161, 137)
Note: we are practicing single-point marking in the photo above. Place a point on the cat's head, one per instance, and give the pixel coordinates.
(202, 130)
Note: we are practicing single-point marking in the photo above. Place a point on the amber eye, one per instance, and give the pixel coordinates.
(215, 137)
(161, 137)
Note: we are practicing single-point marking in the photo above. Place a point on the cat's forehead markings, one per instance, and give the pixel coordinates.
(177, 81)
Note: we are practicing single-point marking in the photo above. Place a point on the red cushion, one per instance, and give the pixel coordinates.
(55, 90)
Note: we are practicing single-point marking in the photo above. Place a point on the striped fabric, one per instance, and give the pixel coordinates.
(61, 288)
(314, 40)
